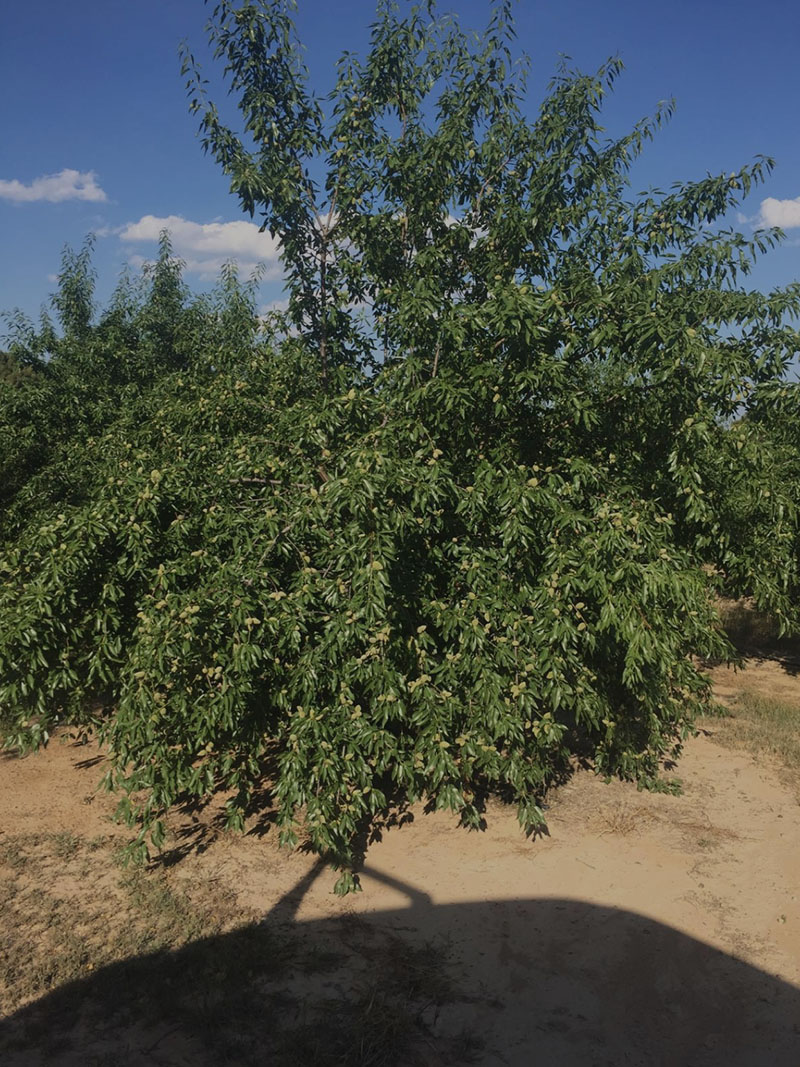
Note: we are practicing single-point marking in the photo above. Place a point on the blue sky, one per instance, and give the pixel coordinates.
(96, 134)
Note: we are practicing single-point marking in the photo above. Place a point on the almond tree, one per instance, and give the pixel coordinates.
(458, 516)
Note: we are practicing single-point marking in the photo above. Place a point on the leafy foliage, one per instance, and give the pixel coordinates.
(453, 519)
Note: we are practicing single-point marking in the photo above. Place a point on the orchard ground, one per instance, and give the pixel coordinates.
(642, 929)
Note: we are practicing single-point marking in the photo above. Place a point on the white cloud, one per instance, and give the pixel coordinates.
(783, 213)
(281, 304)
(204, 247)
(66, 185)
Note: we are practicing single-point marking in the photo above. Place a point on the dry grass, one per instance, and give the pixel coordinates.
(623, 818)
(761, 716)
(67, 910)
(765, 726)
(135, 955)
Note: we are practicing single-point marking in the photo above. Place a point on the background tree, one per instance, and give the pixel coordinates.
(460, 514)
(59, 387)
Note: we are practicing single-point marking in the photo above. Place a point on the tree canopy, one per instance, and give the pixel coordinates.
(456, 517)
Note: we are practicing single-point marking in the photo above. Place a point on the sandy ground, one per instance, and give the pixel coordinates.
(645, 929)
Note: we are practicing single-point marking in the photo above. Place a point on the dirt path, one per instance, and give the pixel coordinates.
(646, 929)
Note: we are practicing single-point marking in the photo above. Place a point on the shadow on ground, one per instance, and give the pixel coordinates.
(756, 634)
(519, 982)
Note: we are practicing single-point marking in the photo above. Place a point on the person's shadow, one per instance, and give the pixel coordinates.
(518, 982)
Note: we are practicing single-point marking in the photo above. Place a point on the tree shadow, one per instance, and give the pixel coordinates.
(755, 635)
(501, 982)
